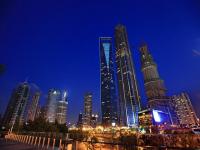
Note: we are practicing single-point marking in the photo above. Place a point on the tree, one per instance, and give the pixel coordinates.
(41, 125)
(62, 128)
(2, 69)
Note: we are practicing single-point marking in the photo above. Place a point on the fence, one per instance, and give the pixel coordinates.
(42, 142)
(143, 142)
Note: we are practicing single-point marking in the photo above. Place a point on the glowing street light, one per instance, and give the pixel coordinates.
(113, 124)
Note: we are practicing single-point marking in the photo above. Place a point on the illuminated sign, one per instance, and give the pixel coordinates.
(161, 117)
(156, 116)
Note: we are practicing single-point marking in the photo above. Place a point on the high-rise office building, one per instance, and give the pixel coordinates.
(129, 99)
(38, 111)
(87, 109)
(94, 120)
(53, 97)
(184, 110)
(14, 114)
(56, 109)
(43, 112)
(108, 86)
(154, 86)
(33, 106)
(80, 120)
(62, 109)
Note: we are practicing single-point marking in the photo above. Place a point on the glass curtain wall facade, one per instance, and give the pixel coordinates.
(184, 110)
(129, 99)
(87, 109)
(53, 97)
(33, 106)
(108, 86)
(14, 115)
(32, 103)
(62, 109)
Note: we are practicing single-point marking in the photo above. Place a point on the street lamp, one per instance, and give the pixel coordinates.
(113, 124)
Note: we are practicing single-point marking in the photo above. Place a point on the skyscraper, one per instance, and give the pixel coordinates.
(14, 114)
(184, 110)
(108, 87)
(53, 97)
(154, 86)
(33, 106)
(94, 120)
(43, 112)
(62, 109)
(87, 109)
(80, 120)
(56, 109)
(129, 99)
(38, 112)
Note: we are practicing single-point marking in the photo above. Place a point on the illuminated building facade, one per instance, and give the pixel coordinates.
(38, 111)
(94, 120)
(33, 107)
(184, 110)
(87, 109)
(154, 86)
(14, 114)
(42, 112)
(108, 86)
(56, 109)
(145, 118)
(129, 99)
(53, 97)
(80, 120)
(151, 117)
(62, 109)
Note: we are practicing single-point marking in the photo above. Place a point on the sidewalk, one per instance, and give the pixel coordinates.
(8, 145)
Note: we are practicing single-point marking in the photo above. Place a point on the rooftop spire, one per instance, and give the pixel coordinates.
(144, 48)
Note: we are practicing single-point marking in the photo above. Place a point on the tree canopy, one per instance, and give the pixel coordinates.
(2, 68)
(41, 125)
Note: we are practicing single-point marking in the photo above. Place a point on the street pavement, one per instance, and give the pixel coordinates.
(10, 145)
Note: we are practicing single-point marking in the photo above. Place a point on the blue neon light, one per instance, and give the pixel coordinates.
(106, 47)
(156, 116)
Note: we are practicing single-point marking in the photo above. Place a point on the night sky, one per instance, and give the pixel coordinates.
(54, 44)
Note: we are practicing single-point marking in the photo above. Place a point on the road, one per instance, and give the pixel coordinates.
(8, 145)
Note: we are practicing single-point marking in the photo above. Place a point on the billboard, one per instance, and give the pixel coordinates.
(160, 117)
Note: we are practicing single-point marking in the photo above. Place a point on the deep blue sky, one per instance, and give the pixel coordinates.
(55, 44)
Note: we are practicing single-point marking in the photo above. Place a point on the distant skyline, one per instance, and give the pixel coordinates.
(55, 45)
